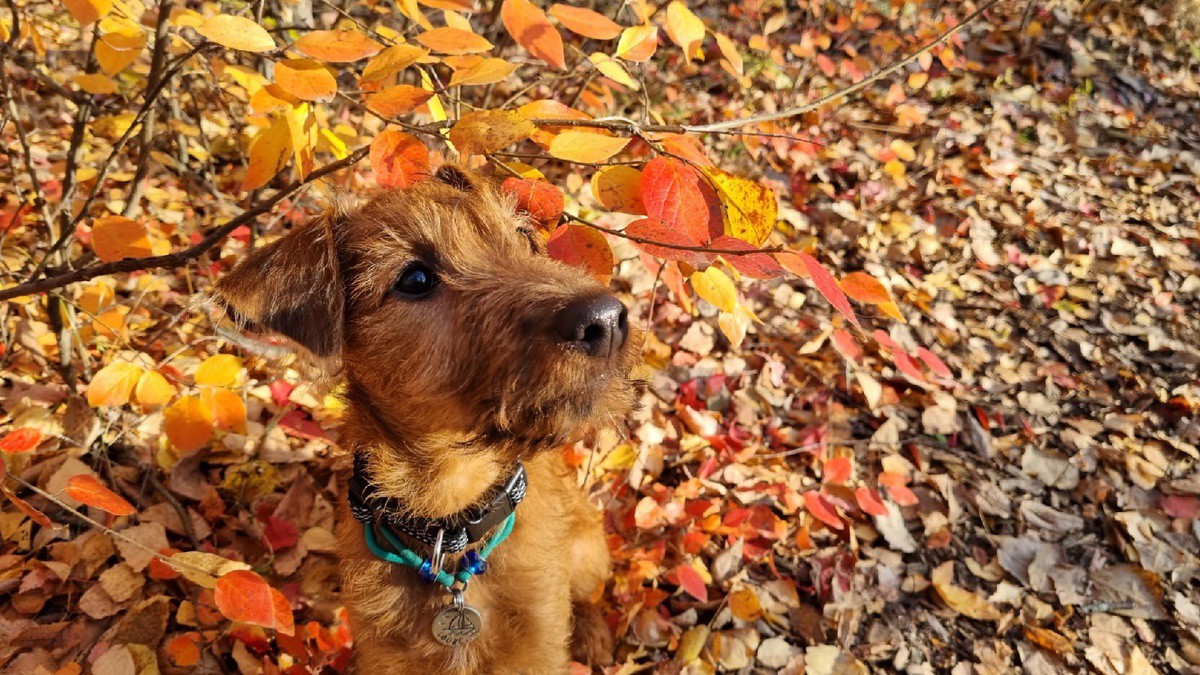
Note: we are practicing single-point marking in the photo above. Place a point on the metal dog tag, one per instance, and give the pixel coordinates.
(457, 624)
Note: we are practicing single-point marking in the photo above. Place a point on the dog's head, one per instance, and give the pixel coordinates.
(446, 315)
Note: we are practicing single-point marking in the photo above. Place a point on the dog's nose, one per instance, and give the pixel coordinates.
(598, 325)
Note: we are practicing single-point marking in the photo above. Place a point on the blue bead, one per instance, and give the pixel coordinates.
(474, 564)
(426, 572)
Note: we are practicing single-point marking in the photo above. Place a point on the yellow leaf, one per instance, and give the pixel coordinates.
(237, 32)
(116, 50)
(692, 643)
(484, 131)
(733, 327)
(637, 43)
(744, 605)
(268, 154)
(118, 237)
(474, 70)
(153, 390)
(391, 61)
(903, 150)
(750, 208)
(586, 147)
(613, 70)
(892, 310)
(714, 286)
(87, 11)
(339, 46)
(730, 52)
(618, 188)
(218, 371)
(188, 424)
(685, 29)
(112, 384)
(95, 84)
(204, 568)
(453, 41)
(306, 79)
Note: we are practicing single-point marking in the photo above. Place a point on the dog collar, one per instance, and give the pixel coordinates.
(457, 531)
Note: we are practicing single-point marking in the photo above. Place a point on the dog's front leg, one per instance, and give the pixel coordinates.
(591, 637)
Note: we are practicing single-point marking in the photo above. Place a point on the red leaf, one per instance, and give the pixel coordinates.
(822, 510)
(691, 582)
(757, 265)
(398, 159)
(87, 490)
(582, 246)
(869, 501)
(934, 363)
(846, 345)
(20, 440)
(541, 200)
(1180, 506)
(897, 489)
(297, 423)
(906, 365)
(838, 470)
(651, 230)
(671, 192)
(886, 340)
(242, 595)
(828, 287)
(280, 391)
(279, 533)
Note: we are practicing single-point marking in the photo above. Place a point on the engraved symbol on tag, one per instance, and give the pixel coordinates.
(457, 624)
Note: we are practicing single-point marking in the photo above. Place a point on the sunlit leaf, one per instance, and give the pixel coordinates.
(95, 84)
(531, 29)
(113, 384)
(220, 370)
(613, 70)
(188, 423)
(587, 148)
(85, 489)
(338, 46)
(448, 40)
(685, 29)
(691, 582)
(21, 440)
(671, 192)
(237, 32)
(474, 70)
(838, 470)
(716, 287)
(662, 241)
(828, 287)
(88, 11)
(749, 207)
(757, 265)
(730, 52)
(619, 188)
(541, 200)
(116, 50)
(869, 501)
(269, 153)
(242, 595)
(637, 43)
(153, 390)
(398, 159)
(822, 510)
(397, 99)
(585, 22)
(228, 409)
(306, 79)
(391, 61)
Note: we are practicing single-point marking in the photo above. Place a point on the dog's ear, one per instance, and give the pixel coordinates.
(293, 286)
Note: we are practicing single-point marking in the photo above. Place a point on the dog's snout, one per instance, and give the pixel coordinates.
(598, 325)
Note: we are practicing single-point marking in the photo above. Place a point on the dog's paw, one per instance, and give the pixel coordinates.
(591, 638)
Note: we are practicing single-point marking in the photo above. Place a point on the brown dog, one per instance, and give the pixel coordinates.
(467, 352)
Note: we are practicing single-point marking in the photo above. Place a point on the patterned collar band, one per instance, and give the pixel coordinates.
(458, 531)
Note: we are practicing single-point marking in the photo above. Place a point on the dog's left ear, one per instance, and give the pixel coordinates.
(293, 286)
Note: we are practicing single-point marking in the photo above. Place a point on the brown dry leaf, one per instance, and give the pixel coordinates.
(967, 603)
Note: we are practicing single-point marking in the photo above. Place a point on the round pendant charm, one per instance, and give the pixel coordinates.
(457, 624)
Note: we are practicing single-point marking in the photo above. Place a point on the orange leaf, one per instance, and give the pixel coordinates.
(691, 582)
(88, 11)
(117, 237)
(242, 595)
(671, 192)
(397, 99)
(112, 384)
(581, 246)
(473, 70)
(828, 287)
(306, 79)
(838, 470)
(285, 623)
(744, 605)
(688, 148)
(269, 152)
(485, 131)
(153, 390)
(541, 200)
(398, 159)
(865, 288)
(585, 22)
(20, 440)
(188, 424)
(822, 510)
(391, 61)
(86, 489)
(25, 507)
(619, 188)
(869, 501)
(339, 46)
(453, 41)
(637, 43)
(183, 650)
(652, 235)
(531, 29)
(228, 409)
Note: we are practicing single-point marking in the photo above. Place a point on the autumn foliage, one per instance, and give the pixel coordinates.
(169, 481)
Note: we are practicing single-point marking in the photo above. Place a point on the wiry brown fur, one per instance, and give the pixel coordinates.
(445, 394)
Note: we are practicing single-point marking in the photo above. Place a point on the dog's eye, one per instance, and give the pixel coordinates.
(535, 244)
(415, 282)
